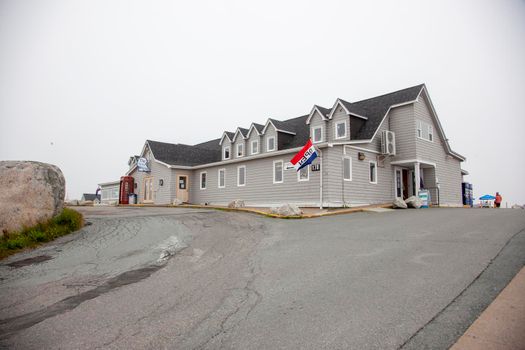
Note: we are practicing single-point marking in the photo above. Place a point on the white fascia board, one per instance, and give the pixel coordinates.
(278, 130)
(334, 108)
(420, 161)
(358, 116)
(222, 138)
(352, 142)
(131, 170)
(238, 131)
(252, 127)
(440, 127)
(312, 112)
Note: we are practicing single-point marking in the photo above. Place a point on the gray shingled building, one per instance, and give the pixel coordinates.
(371, 152)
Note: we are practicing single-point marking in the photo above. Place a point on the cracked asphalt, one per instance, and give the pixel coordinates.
(174, 278)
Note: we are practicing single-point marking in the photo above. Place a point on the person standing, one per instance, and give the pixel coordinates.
(497, 201)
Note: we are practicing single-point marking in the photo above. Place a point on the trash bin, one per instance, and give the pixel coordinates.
(132, 198)
(424, 195)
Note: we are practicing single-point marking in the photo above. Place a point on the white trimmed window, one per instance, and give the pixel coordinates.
(430, 133)
(428, 130)
(221, 178)
(204, 177)
(419, 129)
(270, 144)
(255, 146)
(372, 173)
(241, 175)
(304, 174)
(240, 150)
(317, 134)
(226, 152)
(347, 168)
(278, 172)
(340, 130)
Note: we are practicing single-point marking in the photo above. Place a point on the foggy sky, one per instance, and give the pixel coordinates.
(84, 83)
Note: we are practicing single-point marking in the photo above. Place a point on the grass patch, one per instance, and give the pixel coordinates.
(64, 223)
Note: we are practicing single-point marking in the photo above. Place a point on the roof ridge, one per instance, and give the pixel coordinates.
(389, 93)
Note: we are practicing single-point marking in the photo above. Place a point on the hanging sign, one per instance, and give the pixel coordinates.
(142, 165)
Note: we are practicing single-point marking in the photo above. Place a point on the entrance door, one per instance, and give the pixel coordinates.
(182, 188)
(405, 183)
(398, 181)
(148, 189)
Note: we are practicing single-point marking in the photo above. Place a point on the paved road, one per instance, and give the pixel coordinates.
(143, 278)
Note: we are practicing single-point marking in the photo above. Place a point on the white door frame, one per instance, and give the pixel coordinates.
(396, 170)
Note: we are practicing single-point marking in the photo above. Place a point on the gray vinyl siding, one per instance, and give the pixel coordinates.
(253, 136)
(239, 140)
(339, 116)
(270, 131)
(226, 143)
(402, 123)
(359, 190)
(259, 189)
(448, 169)
(161, 194)
(317, 121)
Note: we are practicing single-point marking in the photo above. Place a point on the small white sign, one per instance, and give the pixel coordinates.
(142, 164)
(288, 166)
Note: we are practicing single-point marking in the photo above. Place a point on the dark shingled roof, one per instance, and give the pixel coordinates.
(281, 125)
(325, 111)
(376, 107)
(186, 155)
(208, 152)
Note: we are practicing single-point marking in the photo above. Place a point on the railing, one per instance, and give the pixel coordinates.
(434, 195)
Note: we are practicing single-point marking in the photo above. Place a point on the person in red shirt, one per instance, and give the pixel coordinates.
(498, 199)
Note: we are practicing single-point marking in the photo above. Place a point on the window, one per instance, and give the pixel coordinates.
(270, 144)
(241, 175)
(203, 180)
(347, 169)
(222, 178)
(240, 150)
(428, 128)
(304, 174)
(317, 134)
(340, 130)
(255, 146)
(373, 172)
(277, 171)
(227, 152)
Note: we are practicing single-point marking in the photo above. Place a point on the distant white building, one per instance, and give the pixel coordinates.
(109, 192)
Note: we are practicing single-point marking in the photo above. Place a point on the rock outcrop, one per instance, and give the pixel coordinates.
(399, 204)
(287, 210)
(236, 204)
(414, 202)
(32, 192)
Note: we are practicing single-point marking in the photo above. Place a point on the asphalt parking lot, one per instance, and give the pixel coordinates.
(143, 278)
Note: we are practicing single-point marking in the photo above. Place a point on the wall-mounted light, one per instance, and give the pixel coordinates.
(161, 182)
(361, 156)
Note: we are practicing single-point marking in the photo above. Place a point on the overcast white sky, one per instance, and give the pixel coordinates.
(84, 83)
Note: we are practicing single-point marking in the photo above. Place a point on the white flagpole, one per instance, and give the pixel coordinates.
(320, 179)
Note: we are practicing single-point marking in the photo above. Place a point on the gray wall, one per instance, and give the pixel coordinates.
(259, 189)
(448, 169)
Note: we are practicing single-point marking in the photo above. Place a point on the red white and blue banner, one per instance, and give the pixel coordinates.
(305, 156)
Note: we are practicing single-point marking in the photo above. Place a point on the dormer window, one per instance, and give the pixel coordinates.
(270, 144)
(240, 150)
(340, 130)
(226, 153)
(255, 146)
(317, 134)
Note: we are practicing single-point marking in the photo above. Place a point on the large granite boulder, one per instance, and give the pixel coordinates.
(32, 192)
(287, 210)
(236, 204)
(399, 204)
(414, 202)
